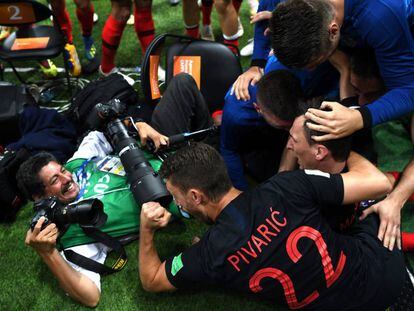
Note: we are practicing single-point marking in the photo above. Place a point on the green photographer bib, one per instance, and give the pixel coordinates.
(107, 182)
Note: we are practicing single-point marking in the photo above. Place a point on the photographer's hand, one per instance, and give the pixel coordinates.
(75, 284)
(154, 216)
(42, 241)
(146, 132)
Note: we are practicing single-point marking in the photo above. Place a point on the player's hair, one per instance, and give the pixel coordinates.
(28, 179)
(280, 92)
(197, 166)
(299, 31)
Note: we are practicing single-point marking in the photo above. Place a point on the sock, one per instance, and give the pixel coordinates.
(206, 8)
(144, 26)
(237, 5)
(85, 17)
(65, 23)
(234, 40)
(192, 31)
(111, 36)
(396, 175)
(407, 240)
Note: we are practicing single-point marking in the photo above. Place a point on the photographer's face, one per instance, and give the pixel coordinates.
(58, 182)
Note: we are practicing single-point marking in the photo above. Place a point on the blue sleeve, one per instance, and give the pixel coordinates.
(261, 47)
(384, 27)
(322, 81)
(238, 118)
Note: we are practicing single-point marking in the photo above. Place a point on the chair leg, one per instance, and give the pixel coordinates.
(16, 73)
(1, 71)
(65, 62)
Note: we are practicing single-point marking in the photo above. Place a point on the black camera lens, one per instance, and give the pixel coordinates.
(86, 213)
(146, 184)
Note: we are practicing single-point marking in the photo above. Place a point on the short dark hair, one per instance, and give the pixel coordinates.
(339, 148)
(198, 166)
(364, 63)
(280, 92)
(299, 31)
(28, 179)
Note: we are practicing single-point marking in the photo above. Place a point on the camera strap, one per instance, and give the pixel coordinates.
(93, 265)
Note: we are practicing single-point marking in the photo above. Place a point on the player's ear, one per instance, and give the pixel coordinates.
(321, 152)
(334, 31)
(196, 195)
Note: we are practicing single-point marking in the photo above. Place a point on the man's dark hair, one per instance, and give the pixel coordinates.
(339, 148)
(364, 63)
(28, 179)
(280, 92)
(198, 166)
(299, 31)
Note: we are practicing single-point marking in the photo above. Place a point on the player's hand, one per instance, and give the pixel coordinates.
(42, 241)
(241, 87)
(146, 132)
(389, 213)
(154, 216)
(260, 16)
(338, 122)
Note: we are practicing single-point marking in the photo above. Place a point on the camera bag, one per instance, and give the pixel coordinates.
(11, 200)
(100, 91)
(13, 100)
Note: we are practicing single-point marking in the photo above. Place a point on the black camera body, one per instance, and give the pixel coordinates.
(86, 213)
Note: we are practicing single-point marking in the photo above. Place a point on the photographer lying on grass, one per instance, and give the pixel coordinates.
(85, 175)
(42, 176)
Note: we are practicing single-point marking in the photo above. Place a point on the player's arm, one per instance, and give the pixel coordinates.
(389, 209)
(261, 51)
(93, 145)
(363, 181)
(75, 284)
(151, 269)
(389, 35)
(341, 62)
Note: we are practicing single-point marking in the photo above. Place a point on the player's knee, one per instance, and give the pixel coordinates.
(221, 5)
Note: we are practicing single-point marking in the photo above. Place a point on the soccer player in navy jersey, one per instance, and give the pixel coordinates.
(273, 241)
(307, 32)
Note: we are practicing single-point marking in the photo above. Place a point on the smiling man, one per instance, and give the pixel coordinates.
(90, 173)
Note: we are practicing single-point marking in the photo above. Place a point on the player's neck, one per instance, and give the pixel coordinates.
(218, 206)
(331, 166)
(339, 6)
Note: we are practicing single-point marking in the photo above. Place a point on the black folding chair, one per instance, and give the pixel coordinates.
(214, 62)
(30, 41)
